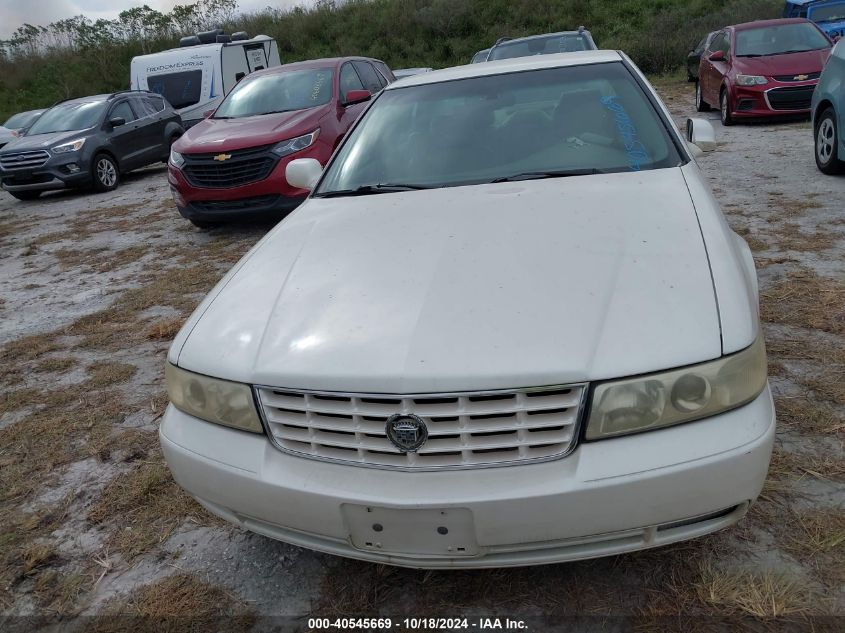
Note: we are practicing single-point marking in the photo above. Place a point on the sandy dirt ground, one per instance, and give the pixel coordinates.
(93, 288)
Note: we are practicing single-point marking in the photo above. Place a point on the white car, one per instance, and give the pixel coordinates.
(410, 72)
(510, 327)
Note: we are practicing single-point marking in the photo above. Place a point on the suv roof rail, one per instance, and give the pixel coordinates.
(582, 28)
(502, 39)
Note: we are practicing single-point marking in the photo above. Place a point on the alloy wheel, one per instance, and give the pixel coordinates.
(824, 141)
(106, 172)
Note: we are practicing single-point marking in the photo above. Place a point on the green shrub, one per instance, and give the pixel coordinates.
(437, 33)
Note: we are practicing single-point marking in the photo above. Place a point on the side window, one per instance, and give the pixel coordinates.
(123, 111)
(142, 106)
(385, 72)
(153, 105)
(349, 80)
(368, 75)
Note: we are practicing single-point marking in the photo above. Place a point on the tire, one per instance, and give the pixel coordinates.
(700, 103)
(827, 144)
(26, 195)
(104, 173)
(724, 108)
(202, 224)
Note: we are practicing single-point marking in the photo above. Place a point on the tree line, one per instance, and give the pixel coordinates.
(40, 65)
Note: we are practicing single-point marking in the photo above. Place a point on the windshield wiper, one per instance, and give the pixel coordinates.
(275, 112)
(751, 55)
(538, 175)
(365, 190)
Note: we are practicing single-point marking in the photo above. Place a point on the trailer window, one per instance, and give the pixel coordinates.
(180, 89)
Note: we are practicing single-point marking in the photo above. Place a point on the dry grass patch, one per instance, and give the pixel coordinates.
(817, 538)
(25, 549)
(164, 330)
(55, 365)
(761, 595)
(120, 325)
(791, 237)
(144, 506)
(754, 242)
(807, 415)
(64, 423)
(29, 348)
(828, 385)
(177, 604)
(805, 299)
(106, 373)
(791, 207)
(59, 593)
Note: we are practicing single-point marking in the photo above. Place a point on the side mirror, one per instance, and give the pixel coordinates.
(836, 38)
(303, 173)
(207, 114)
(117, 121)
(717, 56)
(701, 134)
(356, 96)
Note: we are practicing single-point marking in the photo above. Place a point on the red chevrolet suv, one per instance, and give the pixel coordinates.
(762, 69)
(232, 164)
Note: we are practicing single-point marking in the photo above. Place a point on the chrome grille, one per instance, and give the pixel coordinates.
(464, 429)
(24, 160)
(241, 167)
(797, 77)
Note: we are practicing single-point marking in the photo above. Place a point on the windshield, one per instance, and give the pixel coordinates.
(779, 39)
(74, 115)
(579, 119)
(278, 92)
(565, 43)
(21, 120)
(826, 13)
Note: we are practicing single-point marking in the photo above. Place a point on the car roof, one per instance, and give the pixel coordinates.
(326, 62)
(503, 66)
(90, 98)
(764, 23)
(513, 40)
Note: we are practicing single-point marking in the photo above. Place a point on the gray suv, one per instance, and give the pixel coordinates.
(89, 142)
(547, 44)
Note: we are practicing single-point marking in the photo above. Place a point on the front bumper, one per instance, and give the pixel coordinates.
(53, 175)
(268, 198)
(774, 99)
(608, 497)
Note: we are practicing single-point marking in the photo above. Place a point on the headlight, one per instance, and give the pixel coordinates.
(682, 395)
(212, 399)
(750, 80)
(72, 146)
(295, 144)
(176, 159)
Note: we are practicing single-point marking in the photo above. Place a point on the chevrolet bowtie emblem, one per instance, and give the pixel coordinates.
(801, 77)
(222, 157)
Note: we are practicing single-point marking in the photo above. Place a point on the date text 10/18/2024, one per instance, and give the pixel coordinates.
(430, 624)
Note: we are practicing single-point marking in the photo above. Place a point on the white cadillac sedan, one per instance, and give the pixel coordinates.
(509, 326)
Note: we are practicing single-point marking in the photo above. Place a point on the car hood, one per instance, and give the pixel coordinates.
(792, 63)
(217, 135)
(44, 141)
(467, 288)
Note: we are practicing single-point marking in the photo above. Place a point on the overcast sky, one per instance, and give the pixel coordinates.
(13, 13)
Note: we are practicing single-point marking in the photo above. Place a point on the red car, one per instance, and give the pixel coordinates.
(762, 69)
(232, 164)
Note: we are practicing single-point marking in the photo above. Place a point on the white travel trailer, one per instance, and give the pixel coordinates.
(195, 77)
